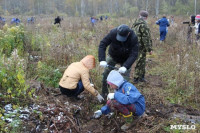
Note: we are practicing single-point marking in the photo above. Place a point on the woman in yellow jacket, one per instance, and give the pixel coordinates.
(76, 78)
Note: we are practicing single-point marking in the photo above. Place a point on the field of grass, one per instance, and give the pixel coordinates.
(42, 51)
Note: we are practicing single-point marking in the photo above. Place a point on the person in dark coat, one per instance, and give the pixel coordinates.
(15, 21)
(101, 18)
(58, 20)
(123, 50)
(31, 20)
(2, 20)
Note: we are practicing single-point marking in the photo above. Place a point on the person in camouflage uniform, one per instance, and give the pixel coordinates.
(145, 45)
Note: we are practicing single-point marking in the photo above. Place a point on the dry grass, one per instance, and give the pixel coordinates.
(173, 74)
(178, 62)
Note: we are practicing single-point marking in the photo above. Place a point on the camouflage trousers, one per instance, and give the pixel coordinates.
(107, 70)
(140, 66)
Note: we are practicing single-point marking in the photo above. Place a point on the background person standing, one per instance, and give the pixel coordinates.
(197, 26)
(163, 23)
(145, 45)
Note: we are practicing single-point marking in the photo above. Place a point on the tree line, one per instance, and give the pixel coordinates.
(83, 8)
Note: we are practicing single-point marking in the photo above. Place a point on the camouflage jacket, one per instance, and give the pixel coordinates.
(143, 33)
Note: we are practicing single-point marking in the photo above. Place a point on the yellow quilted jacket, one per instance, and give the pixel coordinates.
(78, 71)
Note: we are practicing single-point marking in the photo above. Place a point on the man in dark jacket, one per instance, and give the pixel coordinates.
(57, 20)
(123, 50)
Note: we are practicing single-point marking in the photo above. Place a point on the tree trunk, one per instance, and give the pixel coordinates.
(147, 4)
(116, 6)
(157, 7)
(38, 7)
(125, 10)
(111, 7)
(5, 9)
(195, 7)
(82, 8)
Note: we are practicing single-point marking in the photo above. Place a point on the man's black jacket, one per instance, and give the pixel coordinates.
(124, 53)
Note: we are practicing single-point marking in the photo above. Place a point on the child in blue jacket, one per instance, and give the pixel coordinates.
(163, 23)
(127, 100)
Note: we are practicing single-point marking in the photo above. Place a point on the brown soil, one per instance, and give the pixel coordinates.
(62, 114)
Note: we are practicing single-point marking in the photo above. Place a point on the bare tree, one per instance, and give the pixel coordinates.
(157, 6)
(82, 8)
(195, 7)
(5, 6)
(147, 4)
(111, 7)
(94, 7)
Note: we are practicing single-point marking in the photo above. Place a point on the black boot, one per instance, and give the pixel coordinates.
(135, 80)
(143, 79)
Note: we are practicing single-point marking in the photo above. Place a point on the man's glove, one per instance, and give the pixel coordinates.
(103, 64)
(122, 70)
(97, 114)
(100, 98)
(110, 96)
(91, 84)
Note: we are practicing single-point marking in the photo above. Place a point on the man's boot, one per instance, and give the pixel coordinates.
(143, 79)
(135, 80)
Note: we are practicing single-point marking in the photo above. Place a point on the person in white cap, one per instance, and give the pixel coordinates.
(126, 99)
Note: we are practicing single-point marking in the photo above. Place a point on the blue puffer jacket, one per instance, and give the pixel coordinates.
(126, 94)
(163, 23)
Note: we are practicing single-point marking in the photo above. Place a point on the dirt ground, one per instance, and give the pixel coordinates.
(61, 114)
